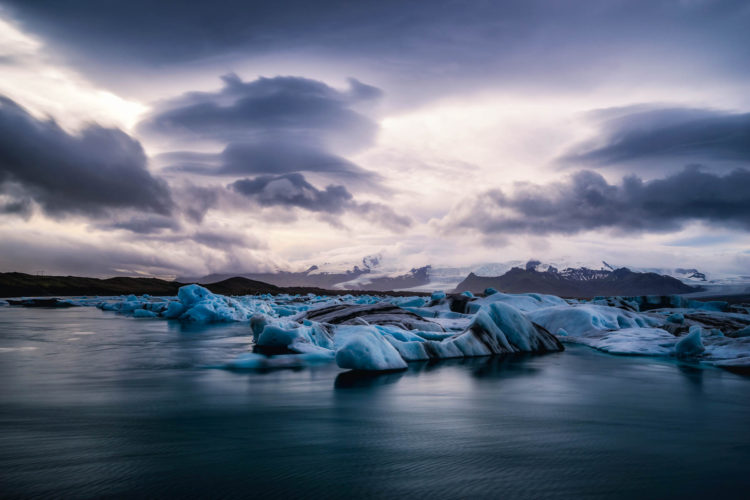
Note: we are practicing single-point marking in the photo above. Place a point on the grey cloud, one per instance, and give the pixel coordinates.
(292, 109)
(532, 42)
(142, 224)
(269, 126)
(196, 201)
(638, 135)
(90, 173)
(587, 201)
(279, 158)
(271, 157)
(382, 214)
(19, 206)
(82, 258)
(225, 239)
(293, 191)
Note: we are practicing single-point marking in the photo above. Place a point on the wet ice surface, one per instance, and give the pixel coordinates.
(96, 404)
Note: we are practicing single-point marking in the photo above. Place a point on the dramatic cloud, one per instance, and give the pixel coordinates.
(448, 38)
(293, 191)
(198, 200)
(290, 108)
(586, 201)
(657, 134)
(90, 173)
(271, 157)
(142, 224)
(475, 94)
(268, 126)
(21, 206)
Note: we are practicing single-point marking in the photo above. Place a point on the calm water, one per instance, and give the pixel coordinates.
(93, 404)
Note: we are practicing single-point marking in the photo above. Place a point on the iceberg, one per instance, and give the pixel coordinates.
(381, 333)
(364, 348)
(629, 341)
(194, 304)
(578, 319)
(690, 345)
(496, 329)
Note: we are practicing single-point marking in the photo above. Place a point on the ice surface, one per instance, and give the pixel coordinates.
(524, 301)
(144, 313)
(364, 348)
(580, 318)
(194, 304)
(632, 341)
(690, 345)
(676, 318)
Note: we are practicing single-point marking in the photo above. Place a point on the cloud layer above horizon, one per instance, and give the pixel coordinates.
(256, 136)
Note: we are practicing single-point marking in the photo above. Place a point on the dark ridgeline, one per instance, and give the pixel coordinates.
(579, 283)
(285, 278)
(311, 278)
(22, 285)
(28, 285)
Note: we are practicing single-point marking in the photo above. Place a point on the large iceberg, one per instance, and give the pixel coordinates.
(384, 337)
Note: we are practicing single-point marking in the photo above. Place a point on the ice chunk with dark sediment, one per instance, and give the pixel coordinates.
(496, 329)
(381, 313)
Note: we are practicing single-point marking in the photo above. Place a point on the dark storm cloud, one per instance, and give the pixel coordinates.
(20, 206)
(587, 201)
(269, 126)
(90, 173)
(435, 44)
(142, 224)
(668, 133)
(293, 191)
(278, 158)
(272, 157)
(281, 108)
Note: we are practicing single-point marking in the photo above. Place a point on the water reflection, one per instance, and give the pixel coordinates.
(692, 374)
(360, 380)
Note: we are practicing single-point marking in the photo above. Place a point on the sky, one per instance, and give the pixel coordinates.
(186, 138)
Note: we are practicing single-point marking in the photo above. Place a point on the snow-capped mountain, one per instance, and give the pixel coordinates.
(372, 273)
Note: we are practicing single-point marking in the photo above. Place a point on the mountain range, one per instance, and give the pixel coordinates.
(577, 282)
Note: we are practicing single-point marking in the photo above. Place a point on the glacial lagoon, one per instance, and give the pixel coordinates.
(94, 404)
